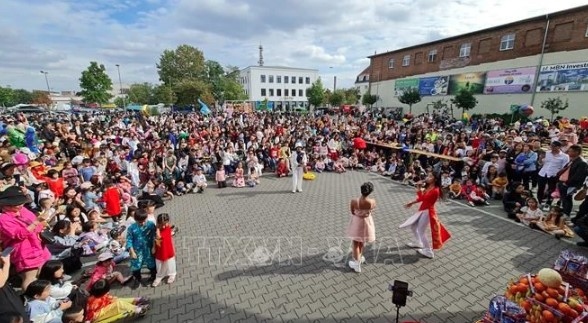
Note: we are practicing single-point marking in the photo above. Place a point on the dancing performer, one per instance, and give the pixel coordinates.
(425, 215)
(361, 229)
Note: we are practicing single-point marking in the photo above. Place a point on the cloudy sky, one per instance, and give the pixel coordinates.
(63, 36)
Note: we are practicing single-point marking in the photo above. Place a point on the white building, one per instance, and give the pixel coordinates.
(362, 81)
(284, 88)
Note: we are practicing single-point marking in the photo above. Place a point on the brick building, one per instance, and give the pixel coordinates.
(503, 65)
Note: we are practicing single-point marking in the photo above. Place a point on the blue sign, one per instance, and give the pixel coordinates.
(436, 85)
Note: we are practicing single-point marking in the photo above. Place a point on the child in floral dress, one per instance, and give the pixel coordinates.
(140, 239)
(239, 180)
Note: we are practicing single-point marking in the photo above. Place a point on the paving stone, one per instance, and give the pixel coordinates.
(263, 255)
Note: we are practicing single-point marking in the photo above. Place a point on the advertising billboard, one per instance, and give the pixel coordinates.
(402, 85)
(473, 82)
(513, 80)
(436, 85)
(563, 77)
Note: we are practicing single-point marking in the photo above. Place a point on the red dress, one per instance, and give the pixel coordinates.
(438, 232)
(112, 200)
(56, 185)
(165, 250)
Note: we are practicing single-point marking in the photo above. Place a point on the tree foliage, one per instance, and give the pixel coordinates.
(142, 93)
(188, 92)
(554, 105)
(316, 93)
(41, 97)
(337, 98)
(119, 102)
(164, 94)
(465, 100)
(352, 96)
(369, 99)
(10, 97)
(95, 84)
(410, 97)
(183, 63)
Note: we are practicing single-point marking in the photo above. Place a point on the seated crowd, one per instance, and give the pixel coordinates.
(88, 185)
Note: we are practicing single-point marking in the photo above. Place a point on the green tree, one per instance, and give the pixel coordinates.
(554, 105)
(21, 96)
(464, 100)
(336, 98)
(95, 84)
(369, 99)
(141, 93)
(316, 94)
(232, 90)
(188, 92)
(184, 63)
(164, 94)
(410, 97)
(6, 96)
(352, 95)
(119, 102)
(439, 105)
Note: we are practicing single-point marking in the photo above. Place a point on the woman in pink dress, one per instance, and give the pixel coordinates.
(361, 229)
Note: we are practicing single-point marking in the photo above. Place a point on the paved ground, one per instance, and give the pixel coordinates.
(266, 254)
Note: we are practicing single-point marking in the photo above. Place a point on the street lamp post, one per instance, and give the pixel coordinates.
(120, 86)
(47, 81)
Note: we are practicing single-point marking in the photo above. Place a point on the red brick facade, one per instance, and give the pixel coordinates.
(568, 30)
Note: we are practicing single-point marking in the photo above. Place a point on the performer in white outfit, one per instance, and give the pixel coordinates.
(298, 160)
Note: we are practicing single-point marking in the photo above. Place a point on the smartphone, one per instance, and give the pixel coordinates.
(7, 251)
(17, 179)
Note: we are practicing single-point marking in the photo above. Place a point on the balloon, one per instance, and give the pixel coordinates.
(526, 110)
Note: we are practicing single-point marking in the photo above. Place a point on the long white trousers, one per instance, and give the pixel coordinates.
(419, 229)
(166, 268)
(297, 179)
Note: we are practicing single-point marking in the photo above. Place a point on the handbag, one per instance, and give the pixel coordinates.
(47, 237)
(581, 194)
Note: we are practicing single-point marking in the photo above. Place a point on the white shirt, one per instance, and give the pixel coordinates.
(552, 164)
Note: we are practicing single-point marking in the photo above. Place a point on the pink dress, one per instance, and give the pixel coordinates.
(361, 226)
(239, 180)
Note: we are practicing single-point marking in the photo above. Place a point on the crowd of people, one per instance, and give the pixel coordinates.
(88, 185)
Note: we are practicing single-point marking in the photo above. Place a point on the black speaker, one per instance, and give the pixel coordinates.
(399, 293)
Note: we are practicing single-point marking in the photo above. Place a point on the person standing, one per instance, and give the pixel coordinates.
(361, 228)
(427, 215)
(298, 162)
(571, 178)
(554, 161)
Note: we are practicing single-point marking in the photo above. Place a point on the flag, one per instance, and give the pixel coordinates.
(204, 109)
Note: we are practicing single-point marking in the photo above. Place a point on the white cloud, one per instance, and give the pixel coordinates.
(62, 36)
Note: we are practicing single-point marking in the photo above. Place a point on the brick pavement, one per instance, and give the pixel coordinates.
(265, 254)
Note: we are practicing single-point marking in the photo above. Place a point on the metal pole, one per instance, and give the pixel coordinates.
(47, 82)
(120, 86)
(538, 72)
(334, 83)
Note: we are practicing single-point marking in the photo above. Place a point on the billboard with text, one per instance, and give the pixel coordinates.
(473, 82)
(514, 80)
(402, 85)
(436, 85)
(563, 77)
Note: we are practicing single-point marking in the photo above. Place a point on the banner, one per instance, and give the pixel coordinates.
(563, 77)
(470, 81)
(402, 85)
(514, 80)
(436, 85)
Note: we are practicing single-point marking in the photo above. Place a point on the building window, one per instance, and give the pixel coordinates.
(271, 79)
(406, 60)
(262, 78)
(293, 78)
(300, 93)
(263, 92)
(271, 91)
(278, 79)
(432, 55)
(307, 80)
(286, 91)
(418, 58)
(286, 79)
(586, 34)
(507, 42)
(279, 92)
(300, 80)
(293, 92)
(391, 63)
(464, 50)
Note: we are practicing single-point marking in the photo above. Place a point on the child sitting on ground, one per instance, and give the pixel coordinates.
(530, 213)
(499, 185)
(104, 269)
(282, 169)
(555, 224)
(455, 189)
(253, 178)
(40, 306)
(445, 183)
(199, 180)
(103, 306)
(319, 166)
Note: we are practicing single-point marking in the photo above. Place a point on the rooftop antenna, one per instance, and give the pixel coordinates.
(260, 62)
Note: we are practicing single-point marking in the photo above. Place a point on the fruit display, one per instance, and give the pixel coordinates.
(545, 297)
